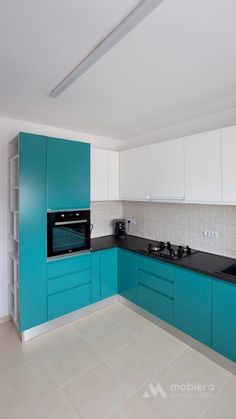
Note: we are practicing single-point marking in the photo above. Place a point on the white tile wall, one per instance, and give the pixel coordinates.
(102, 216)
(184, 224)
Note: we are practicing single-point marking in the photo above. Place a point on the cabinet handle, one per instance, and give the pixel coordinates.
(167, 198)
(61, 223)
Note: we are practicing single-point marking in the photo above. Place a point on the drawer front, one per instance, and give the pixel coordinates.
(68, 301)
(66, 282)
(155, 282)
(155, 303)
(68, 266)
(164, 271)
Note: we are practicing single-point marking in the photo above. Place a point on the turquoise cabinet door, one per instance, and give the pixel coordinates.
(32, 231)
(127, 274)
(109, 273)
(155, 287)
(224, 318)
(192, 304)
(68, 174)
(96, 276)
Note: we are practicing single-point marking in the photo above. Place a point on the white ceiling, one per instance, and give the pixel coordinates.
(172, 75)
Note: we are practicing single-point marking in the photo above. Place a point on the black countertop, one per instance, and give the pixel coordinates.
(203, 262)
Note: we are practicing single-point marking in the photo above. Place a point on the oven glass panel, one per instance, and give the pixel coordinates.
(66, 238)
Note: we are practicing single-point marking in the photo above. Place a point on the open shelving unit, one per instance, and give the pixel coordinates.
(13, 231)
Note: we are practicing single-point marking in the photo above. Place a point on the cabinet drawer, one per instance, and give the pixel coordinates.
(161, 270)
(68, 301)
(155, 282)
(68, 266)
(155, 303)
(66, 282)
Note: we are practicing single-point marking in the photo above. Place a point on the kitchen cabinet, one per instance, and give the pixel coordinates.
(69, 284)
(192, 304)
(68, 174)
(32, 280)
(134, 166)
(166, 170)
(224, 318)
(104, 175)
(127, 274)
(203, 167)
(155, 288)
(104, 274)
(228, 139)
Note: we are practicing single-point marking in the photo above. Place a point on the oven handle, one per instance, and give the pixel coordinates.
(61, 223)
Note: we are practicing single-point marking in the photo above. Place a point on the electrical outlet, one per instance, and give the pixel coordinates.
(131, 221)
(210, 234)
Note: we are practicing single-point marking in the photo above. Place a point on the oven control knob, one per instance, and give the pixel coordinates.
(63, 215)
(77, 214)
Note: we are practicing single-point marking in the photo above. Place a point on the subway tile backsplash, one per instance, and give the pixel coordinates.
(179, 223)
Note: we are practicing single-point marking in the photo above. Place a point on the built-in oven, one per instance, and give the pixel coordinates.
(68, 232)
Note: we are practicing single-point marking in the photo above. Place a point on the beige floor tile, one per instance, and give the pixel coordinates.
(97, 393)
(215, 411)
(135, 325)
(189, 369)
(64, 335)
(21, 387)
(116, 311)
(227, 396)
(134, 408)
(92, 322)
(71, 359)
(135, 364)
(108, 339)
(13, 352)
(163, 344)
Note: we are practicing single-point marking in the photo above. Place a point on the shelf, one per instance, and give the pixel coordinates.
(14, 187)
(14, 256)
(13, 238)
(14, 157)
(13, 211)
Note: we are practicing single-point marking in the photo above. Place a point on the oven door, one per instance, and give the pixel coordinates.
(68, 236)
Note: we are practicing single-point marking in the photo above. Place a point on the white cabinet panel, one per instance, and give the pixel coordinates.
(228, 138)
(203, 167)
(166, 170)
(113, 175)
(133, 174)
(99, 174)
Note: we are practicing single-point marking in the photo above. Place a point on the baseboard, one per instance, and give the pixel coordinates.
(5, 319)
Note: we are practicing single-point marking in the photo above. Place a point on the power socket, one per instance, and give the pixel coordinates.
(210, 234)
(131, 221)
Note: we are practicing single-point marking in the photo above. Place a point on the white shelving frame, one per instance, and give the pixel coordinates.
(13, 231)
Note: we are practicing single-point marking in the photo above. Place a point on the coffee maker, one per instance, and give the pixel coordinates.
(120, 228)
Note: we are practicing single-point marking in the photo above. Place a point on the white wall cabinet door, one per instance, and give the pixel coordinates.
(228, 138)
(133, 174)
(203, 167)
(113, 175)
(99, 174)
(166, 170)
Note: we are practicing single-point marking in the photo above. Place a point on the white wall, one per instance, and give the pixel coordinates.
(9, 128)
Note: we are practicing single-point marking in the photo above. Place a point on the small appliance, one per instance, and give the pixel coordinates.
(68, 232)
(120, 228)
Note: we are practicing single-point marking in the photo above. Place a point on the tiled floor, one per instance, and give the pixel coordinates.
(112, 364)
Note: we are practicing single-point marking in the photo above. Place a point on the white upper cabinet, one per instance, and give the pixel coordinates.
(203, 167)
(104, 175)
(113, 175)
(228, 138)
(133, 174)
(166, 170)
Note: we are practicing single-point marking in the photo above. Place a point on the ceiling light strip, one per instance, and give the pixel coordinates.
(144, 8)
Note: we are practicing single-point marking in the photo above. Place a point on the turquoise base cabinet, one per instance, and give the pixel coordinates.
(127, 274)
(192, 306)
(224, 318)
(32, 231)
(155, 287)
(68, 174)
(104, 274)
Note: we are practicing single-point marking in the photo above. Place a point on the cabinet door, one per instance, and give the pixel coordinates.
(96, 276)
(228, 138)
(109, 273)
(133, 174)
(68, 174)
(166, 170)
(113, 175)
(32, 231)
(127, 274)
(192, 304)
(99, 174)
(224, 318)
(203, 167)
